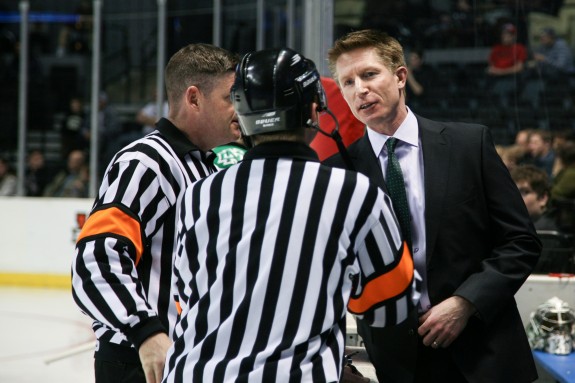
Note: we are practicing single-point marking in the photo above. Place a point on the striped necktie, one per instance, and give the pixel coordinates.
(396, 188)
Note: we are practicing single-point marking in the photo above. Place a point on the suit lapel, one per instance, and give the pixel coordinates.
(436, 154)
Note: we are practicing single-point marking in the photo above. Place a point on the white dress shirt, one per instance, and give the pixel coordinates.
(410, 156)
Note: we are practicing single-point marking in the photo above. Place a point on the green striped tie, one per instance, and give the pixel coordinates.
(396, 188)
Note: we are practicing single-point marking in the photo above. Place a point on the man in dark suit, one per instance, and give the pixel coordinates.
(472, 240)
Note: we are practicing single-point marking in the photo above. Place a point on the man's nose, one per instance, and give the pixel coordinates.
(360, 87)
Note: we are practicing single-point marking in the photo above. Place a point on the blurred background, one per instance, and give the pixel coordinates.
(79, 79)
(450, 41)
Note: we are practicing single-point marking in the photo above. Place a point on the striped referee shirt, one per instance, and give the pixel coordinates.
(121, 275)
(270, 252)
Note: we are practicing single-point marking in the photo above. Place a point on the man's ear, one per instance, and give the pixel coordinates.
(543, 199)
(193, 96)
(401, 74)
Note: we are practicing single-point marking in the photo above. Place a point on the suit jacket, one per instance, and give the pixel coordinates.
(481, 245)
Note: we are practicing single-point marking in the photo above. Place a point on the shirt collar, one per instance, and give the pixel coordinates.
(175, 138)
(407, 132)
(282, 149)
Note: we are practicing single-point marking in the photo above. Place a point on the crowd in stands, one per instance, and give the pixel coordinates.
(512, 87)
(7, 179)
(523, 92)
(68, 176)
(516, 87)
(543, 166)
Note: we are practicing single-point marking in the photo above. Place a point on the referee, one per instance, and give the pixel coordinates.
(271, 250)
(121, 275)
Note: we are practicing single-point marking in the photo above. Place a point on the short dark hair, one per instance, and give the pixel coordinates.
(549, 31)
(545, 135)
(199, 65)
(566, 153)
(536, 178)
(7, 165)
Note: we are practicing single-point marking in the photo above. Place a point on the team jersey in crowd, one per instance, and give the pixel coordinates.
(269, 253)
(121, 275)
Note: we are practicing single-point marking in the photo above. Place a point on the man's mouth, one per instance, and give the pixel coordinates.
(365, 106)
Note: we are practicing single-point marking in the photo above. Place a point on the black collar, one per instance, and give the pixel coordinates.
(282, 149)
(177, 140)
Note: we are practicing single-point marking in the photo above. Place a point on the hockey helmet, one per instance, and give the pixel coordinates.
(274, 89)
(552, 327)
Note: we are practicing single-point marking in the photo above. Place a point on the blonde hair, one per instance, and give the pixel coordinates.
(388, 49)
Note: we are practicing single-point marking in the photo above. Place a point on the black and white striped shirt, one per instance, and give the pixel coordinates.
(269, 253)
(121, 275)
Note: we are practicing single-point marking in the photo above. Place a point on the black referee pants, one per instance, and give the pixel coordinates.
(118, 372)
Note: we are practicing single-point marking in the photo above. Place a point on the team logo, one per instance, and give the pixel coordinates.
(295, 59)
(229, 156)
(80, 221)
(267, 122)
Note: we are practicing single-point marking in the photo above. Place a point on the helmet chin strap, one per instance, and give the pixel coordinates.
(335, 136)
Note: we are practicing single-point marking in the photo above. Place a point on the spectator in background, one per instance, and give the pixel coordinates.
(506, 62)
(147, 116)
(553, 56)
(108, 124)
(463, 17)
(541, 150)
(522, 141)
(39, 39)
(533, 184)
(440, 33)
(71, 182)
(564, 182)
(38, 175)
(73, 128)
(109, 132)
(8, 181)
(419, 77)
(76, 38)
(511, 155)
(560, 138)
(508, 57)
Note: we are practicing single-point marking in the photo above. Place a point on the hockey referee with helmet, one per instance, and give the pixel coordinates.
(272, 250)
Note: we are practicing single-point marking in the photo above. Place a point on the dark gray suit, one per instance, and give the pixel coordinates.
(481, 245)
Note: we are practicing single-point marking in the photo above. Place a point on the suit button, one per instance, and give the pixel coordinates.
(411, 331)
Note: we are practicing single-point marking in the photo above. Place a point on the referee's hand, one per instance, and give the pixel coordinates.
(153, 356)
(352, 375)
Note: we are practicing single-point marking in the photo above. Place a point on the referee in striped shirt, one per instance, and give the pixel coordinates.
(121, 275)
(271, 250)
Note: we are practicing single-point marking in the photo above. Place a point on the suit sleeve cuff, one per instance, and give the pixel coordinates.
(142, 331)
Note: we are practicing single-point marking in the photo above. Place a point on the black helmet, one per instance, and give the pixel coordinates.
(274, 89)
